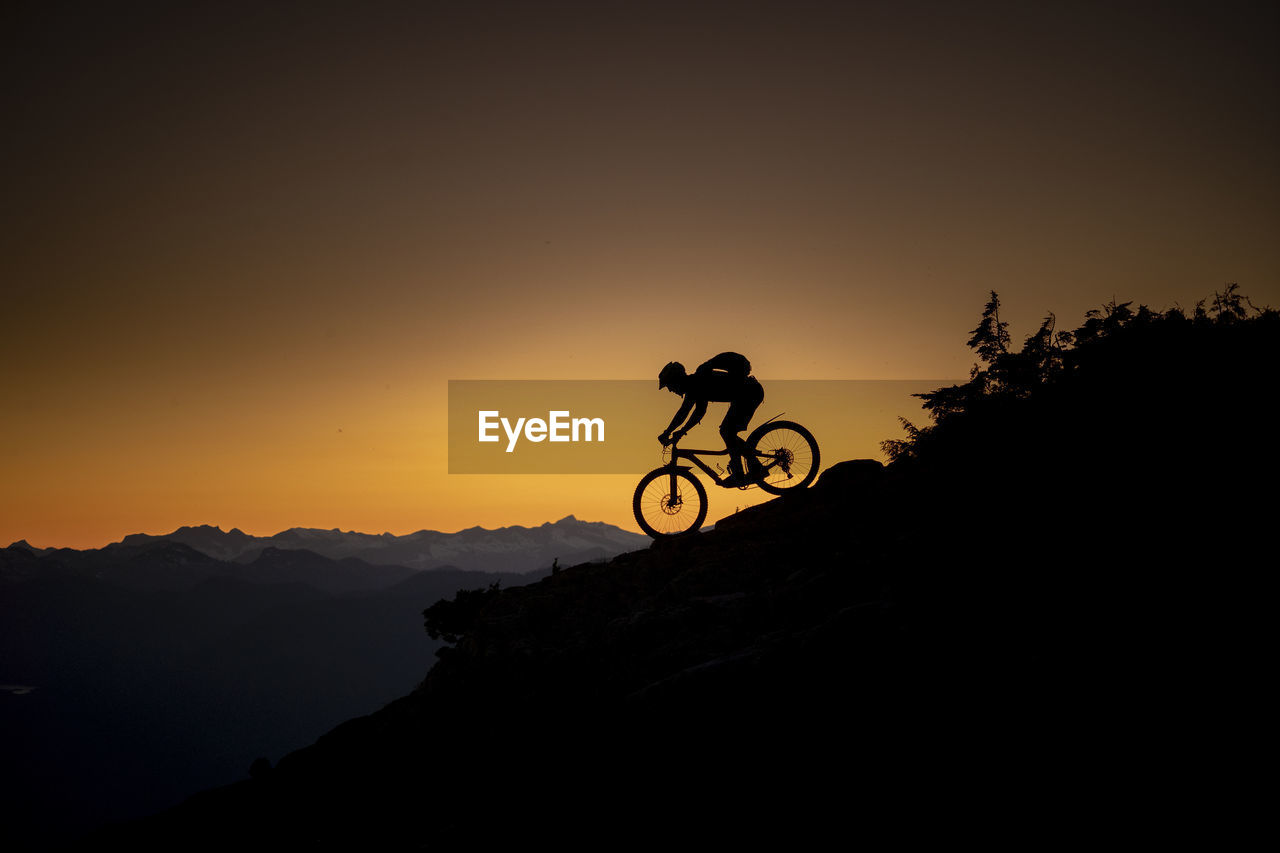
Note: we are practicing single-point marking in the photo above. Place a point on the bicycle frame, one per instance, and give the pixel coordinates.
(692, 455)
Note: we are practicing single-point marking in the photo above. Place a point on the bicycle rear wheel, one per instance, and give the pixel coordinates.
(789, 453)
(668, 503)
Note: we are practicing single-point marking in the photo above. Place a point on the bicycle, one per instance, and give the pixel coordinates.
(671, 501)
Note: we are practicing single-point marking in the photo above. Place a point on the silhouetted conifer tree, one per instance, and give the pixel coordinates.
(991, 339)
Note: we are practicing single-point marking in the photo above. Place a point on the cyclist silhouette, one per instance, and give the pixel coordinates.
(725, 378)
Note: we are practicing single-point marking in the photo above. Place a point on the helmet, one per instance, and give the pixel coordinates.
(673, 372)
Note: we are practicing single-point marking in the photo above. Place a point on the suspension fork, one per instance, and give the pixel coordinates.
(673, 497)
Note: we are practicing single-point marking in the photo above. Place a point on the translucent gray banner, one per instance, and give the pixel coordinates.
(612, 426)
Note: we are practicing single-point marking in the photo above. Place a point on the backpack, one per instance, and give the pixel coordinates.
(732, 363)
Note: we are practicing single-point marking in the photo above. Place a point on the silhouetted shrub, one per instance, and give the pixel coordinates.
(1119, 357)
(450, 620)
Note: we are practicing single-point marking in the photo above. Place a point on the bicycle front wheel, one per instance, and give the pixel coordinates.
(789, 454)
(669, 503)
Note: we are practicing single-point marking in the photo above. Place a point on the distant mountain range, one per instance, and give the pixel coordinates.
(136, 674)
(476, 549)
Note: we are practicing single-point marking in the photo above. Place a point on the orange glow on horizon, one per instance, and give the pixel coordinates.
(240, 264)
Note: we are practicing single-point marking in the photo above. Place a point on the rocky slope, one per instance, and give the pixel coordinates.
(817, 663)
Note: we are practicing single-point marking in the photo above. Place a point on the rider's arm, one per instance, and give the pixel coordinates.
(698, 411)
(685, 406)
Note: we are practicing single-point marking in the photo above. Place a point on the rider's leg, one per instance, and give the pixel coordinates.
(736, 446)
(735, 421)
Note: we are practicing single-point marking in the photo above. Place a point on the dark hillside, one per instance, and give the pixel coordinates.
(1039, 614)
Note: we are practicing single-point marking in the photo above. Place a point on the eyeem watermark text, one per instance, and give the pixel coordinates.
(558, 426)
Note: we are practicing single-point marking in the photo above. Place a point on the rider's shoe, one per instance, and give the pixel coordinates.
(735, 481)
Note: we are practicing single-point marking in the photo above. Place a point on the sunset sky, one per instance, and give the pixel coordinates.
(245, 246)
